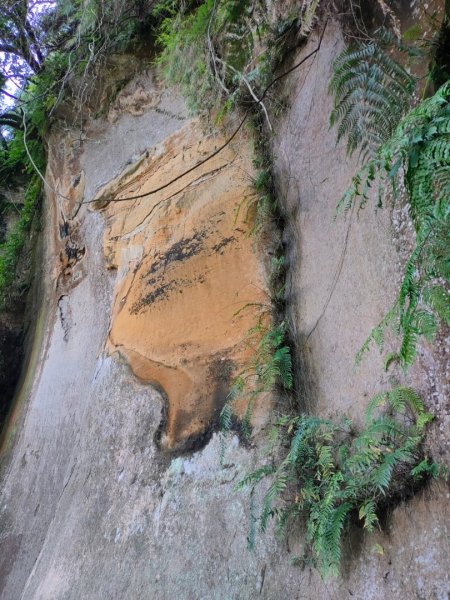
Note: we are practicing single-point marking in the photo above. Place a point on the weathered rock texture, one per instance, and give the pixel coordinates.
(190, 280)
(343, 276)
(89, 506)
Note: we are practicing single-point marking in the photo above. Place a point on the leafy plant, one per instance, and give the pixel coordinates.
(418, 153)
(189, 38)
(371, 93)
(209, 49)
(331, 474)
(270, 363)
(11, 248)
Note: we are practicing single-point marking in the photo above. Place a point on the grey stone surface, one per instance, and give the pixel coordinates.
(90, 510)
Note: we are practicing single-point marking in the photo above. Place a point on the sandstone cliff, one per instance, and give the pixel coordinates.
(112, 486)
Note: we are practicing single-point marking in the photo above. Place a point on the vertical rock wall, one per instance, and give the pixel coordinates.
(190, 281)
(149, 291)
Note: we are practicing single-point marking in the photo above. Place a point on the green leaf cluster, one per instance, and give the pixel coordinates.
(371, 93)
(205, 49)
(418, 155)
(270, 363)
(330, 474)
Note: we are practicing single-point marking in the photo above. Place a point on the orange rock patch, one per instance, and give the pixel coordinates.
(187, 267)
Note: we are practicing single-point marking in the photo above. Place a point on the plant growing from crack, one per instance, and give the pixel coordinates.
(330, 473)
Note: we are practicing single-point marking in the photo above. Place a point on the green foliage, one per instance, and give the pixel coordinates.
(371, 93)
(223, 53)
(330, 474)
(262, 206)
(16, 169)
(270, 363)
(418, 154)
(11, 248)
(271, 360)
(190, 39)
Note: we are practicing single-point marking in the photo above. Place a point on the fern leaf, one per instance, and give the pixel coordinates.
(401, 397)
(275, 490)
(255, 477)
(371, 93)
(424, 468)
(226, 417)
(439, 300)
(390, 358)
(368, 515)
(333, 539)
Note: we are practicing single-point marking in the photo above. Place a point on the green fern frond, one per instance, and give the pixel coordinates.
(376, 335)
(439, 300)
(401, 397)
(425, 468)
(276, 489)
(330, 547)
(325, 461)
(408, 348)
(367, 514)
(226, 417)
(255, 477)
(424, 322)
(419, 149)
(328, 473)
(282, 358)
(389, 359)
(371, 92)
(381, 477)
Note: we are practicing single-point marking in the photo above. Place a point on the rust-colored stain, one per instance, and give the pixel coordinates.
(187, 267)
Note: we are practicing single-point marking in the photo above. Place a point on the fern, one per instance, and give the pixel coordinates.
(418, 151)
(270, 363)
(377, 334)
(367, 514)
(328, 474)
(371, 92)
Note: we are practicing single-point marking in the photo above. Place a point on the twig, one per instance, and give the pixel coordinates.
(250, 89)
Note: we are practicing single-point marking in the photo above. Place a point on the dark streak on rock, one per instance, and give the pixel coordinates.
(180, 251)
(159, 293)
(163, 290)
(218, 247)
(76, 181)
(220, 372)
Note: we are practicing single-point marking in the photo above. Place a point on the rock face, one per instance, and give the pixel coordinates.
(189, 276)
(145, 318)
